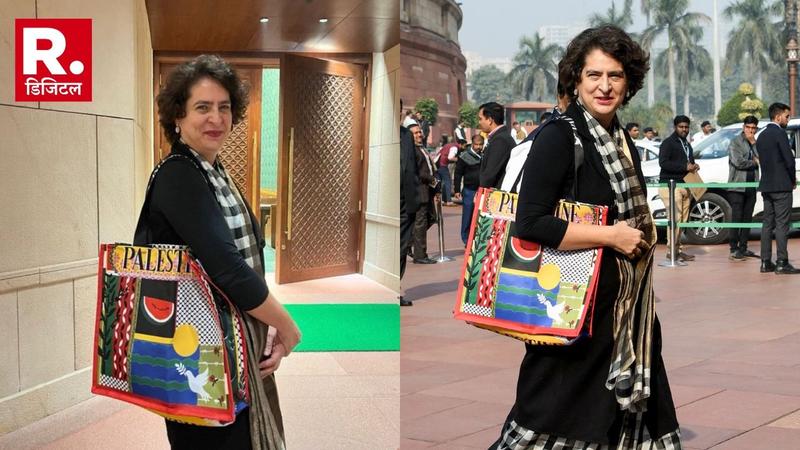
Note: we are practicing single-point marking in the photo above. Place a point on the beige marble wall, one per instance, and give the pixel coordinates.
(78, 172)
(382, 241)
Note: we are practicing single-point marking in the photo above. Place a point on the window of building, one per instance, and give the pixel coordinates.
(447, 98)
(444, 16)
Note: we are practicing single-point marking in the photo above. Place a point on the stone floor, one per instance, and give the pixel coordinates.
(731, 347)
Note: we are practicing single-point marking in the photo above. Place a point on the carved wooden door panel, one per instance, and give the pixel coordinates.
(320, 170)
(240, 153)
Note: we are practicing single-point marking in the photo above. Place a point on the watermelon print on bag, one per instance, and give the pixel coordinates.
(523, 290)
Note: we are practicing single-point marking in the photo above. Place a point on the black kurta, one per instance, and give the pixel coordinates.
(561, 389)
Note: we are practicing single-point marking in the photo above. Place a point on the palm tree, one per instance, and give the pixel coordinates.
(646, 6)
(755, 39)
(670, 17)
(692, 61)
(620, 18)
(533, 73)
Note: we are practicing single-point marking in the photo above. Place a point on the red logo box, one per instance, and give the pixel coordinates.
(53, 60)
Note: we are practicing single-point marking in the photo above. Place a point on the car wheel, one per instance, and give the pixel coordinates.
(711, 209)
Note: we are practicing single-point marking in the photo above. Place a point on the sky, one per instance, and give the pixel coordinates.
(492, 29)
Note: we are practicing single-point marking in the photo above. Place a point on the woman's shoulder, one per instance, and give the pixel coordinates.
(180, 172)
(554, 135)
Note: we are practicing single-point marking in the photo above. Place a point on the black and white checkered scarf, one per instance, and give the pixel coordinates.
(266, 422)
(233, 209)
(634, 311)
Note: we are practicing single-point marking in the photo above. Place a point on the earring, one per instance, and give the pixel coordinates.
(575, 92)
(177, 129)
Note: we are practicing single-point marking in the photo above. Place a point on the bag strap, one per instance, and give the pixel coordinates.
(578, 160)
(578, 156)
(142, 233)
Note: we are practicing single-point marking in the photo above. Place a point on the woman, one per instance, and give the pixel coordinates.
(609, 390)
(193, 202)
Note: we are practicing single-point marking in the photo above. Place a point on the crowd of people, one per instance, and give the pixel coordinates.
(457, 168)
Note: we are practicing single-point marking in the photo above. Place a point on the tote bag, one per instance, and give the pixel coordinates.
(162, 341)
(521, 289)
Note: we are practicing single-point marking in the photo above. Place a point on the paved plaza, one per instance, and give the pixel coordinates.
(731, 347)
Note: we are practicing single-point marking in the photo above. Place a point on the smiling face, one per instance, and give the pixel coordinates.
(603, 86)
(208, 118)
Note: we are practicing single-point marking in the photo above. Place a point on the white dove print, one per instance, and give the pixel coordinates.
(553, 312)
(196, 383)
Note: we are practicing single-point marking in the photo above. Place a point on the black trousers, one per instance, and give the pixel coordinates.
(406, 229)
(235, 436)
(421, 221)
(777, 211)
(742, 204)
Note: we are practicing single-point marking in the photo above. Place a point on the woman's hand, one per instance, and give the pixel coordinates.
(627, 240)
(271, 364)
(272, 313)
(288, 335)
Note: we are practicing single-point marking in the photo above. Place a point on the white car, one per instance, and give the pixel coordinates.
(712, 156)
(648, 150)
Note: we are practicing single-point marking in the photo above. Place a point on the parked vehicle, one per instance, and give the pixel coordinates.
(648, 150)
(712, 156)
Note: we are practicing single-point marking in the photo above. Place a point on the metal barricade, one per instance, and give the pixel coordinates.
(440, 225)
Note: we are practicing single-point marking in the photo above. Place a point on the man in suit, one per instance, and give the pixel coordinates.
(425, 192)
(742, 167)
(498, 145)
(408, 198)
(676, 160)
(778, 179)
(425, 126)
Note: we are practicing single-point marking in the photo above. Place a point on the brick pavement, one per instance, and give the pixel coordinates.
(731, 347)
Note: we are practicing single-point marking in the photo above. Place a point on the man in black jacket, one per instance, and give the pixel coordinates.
(778, 179)
(424, 126)
(468, 168)
(425, 193)
(408, 198)
(676, 160)
(498, 146)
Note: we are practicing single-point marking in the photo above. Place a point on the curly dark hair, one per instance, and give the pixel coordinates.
(616, 43)
(173, 97)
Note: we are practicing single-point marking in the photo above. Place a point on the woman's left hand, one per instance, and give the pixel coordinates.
(271, 364)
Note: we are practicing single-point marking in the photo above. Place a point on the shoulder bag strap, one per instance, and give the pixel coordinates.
(143, 232)
(578, 157)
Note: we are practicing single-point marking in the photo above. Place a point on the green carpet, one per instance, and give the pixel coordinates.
(347, 327)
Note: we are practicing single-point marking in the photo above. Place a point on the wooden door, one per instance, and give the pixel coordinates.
(241, 151)
(320, 169)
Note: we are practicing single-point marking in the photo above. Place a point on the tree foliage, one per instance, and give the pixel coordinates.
(743, 103)
(488, 84)
(468, 113)
(671, 18)
(533, 75)
(692, 61)
(755, 39)
(659, 116)
(429, 109)
(621, 18)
